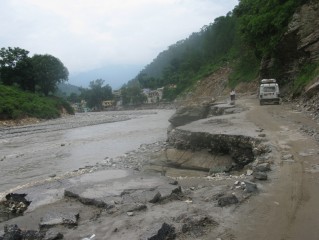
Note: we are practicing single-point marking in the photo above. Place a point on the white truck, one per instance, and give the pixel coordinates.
(269, 92)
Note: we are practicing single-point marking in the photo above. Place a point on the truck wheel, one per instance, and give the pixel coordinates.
(261, 102)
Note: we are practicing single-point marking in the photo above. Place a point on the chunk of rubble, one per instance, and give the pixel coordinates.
(14, 205)
(65, 219)
(263, 167)
(260, 175)
(165, 232)
(227, 199)
(53, 235)
(13, 232)
(195, 225)
(128, 193)
(250, 187)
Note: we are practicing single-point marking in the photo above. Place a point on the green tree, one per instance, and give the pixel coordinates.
(97, 93)
(16, 68)
(48, 71)
(73, 98)
(132, 95)
(263, 23)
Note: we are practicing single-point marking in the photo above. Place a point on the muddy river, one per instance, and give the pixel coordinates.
(34, 153)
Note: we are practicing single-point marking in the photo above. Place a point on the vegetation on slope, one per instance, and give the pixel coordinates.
(184, 63)
(24, 81)
(16, 104)
(239, 40)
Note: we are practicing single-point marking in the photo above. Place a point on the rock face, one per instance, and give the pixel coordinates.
(298, 46)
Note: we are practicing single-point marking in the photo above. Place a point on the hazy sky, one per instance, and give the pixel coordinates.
(92, 34)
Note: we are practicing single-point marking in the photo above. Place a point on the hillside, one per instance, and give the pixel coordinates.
(254, 41)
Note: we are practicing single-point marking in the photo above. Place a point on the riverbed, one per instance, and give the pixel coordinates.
(34, 153)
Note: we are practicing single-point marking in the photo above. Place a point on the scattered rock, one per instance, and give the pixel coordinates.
(15, 204)
(166, 232)
(13, 232)
(130, 214)
(52, 235)
(250, 187)
(287, 157)
(260, 175)
(155, 198)
(226, 200)
(249, 172)
(263, 167)
(195, 225)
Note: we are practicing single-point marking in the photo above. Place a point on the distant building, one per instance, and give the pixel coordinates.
(153, 96)
(108, 104)
(80, 107)
(117, 97)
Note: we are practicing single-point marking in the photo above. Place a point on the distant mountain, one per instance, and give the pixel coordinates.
(113, 75)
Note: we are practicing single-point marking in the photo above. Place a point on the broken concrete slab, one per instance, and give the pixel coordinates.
(127, 191)
(66, 219)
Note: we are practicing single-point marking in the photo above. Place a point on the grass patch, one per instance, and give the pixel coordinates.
(307, 73)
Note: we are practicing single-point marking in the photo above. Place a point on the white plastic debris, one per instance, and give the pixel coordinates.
(93, 236)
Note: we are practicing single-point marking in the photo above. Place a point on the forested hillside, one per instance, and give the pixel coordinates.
(248, 40)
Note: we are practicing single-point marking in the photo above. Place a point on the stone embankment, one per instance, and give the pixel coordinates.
(182, 189)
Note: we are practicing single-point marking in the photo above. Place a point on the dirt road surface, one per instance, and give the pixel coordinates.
(287, 207)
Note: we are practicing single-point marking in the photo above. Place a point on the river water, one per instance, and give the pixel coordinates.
(30, 154)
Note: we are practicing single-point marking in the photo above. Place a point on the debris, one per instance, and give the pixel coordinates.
(260, 175)
(130, 214)
(227, 200)
(250, 186)
(93, 236)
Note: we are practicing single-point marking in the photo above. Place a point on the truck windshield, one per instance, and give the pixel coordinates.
(269, 89)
